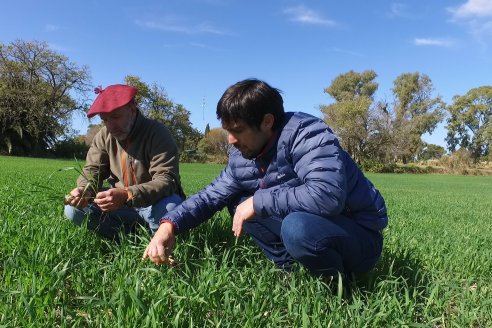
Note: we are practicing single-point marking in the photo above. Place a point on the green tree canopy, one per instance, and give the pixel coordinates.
(470, 124)
(154, 103)
(37, 96)
(349, 116)
(431, 151)
(415, 112)
(380, 135)
(383, 131)
(215, 145)
(92, 130)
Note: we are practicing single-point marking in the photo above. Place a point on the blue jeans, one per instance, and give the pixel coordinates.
(323, 245)
(126, 218)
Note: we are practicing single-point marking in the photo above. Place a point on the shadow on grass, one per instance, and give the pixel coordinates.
(215, 238)
(397, 269)
(213, 243)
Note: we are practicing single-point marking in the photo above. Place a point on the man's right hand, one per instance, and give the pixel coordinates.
(75, 198)
(161, 246)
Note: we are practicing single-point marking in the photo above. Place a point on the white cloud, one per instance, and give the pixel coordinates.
(51, 28)
(59, 48)
(399, 9)
(472, 8)
(408, 11)
(347, 52)
(432, 42)
(174, 24)
(191, 44)
(205, 46)
(171, 45)
(198, 45)
(305, 15)
(477, 16)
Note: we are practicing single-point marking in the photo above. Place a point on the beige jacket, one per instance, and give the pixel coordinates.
(149, 156)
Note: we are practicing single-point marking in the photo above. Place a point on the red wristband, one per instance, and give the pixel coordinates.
(169, 221)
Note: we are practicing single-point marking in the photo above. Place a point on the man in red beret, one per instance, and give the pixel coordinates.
(139, 156)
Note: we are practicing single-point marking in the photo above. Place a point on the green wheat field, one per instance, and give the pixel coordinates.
(436, 268)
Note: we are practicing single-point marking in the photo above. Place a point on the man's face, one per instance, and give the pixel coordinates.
(250, 141)
(119, 122)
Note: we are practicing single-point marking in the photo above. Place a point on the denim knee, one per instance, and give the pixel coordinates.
(301, 237)
(153, 214)
(293, 235)
(74, 214)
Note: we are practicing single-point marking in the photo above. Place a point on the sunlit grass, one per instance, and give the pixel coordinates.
(435, 270)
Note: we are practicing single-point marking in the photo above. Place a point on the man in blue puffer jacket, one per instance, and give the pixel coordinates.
(289, 185)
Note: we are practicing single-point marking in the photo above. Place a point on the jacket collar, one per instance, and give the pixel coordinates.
(270, 148)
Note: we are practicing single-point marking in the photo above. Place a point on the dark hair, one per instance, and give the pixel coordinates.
(249, 100)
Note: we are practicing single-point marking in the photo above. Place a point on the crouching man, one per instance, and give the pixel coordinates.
(141, 158)
(289, 185)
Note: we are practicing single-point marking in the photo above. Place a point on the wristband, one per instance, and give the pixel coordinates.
(168, 221)
(129, 198)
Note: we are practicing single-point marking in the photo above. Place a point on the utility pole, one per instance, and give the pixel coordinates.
(203, 108)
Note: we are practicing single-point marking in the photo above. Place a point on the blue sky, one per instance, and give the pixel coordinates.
(195, 49)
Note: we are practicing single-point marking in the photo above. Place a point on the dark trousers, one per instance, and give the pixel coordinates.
(323, 245)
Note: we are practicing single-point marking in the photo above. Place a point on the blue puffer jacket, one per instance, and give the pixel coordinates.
(305, 170)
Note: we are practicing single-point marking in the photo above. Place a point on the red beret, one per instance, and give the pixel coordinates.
(111, 98)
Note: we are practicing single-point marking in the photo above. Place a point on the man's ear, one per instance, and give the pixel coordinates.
(268, 121)
(133, 108)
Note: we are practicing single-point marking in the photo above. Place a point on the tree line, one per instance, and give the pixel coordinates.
(391, 131)
(41, 89)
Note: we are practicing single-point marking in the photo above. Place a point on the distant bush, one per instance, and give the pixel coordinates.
(192, 156)
(374, 166)
(214, 146)
(217, 159)
(70, 148)
(459, 161)
(416, 169)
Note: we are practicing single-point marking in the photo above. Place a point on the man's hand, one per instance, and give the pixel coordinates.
(244, 212)
(161, 246)
(111, 199)
(75, 198)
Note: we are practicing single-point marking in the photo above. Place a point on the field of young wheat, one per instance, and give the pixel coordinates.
(436, 268)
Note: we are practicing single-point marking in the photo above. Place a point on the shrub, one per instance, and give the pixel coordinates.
(70, 148)
(459, 161)
(188, 156)
(374, 166)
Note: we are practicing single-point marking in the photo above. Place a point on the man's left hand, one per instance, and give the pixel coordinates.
(244, 212)
(111, 199)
